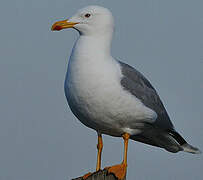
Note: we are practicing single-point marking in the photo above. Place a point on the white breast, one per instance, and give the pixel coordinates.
(96, 97)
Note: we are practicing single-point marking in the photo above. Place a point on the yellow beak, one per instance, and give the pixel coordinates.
(59, 25)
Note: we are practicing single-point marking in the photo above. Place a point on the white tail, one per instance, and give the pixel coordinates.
(189, 148)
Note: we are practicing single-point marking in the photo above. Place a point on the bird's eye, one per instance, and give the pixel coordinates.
(87, 15)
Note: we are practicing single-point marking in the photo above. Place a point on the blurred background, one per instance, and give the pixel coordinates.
(40, 139)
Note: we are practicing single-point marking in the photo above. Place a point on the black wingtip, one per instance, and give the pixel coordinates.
(177, 137)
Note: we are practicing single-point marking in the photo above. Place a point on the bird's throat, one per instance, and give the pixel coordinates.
(96, 46)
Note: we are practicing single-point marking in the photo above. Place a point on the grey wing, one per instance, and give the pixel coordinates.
(135, 83)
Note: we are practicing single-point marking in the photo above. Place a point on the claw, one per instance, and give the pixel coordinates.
(86, 175)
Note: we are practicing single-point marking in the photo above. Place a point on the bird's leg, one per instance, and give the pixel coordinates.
(120, 170)
(99, 148)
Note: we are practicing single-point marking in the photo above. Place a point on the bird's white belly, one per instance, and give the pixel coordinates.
(96, 97)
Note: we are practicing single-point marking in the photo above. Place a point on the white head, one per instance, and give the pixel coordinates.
(91, 20)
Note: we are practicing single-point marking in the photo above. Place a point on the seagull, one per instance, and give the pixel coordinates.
(110, 96)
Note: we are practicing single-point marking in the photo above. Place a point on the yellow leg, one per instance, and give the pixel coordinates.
(120, 170)
(126, 137)
(99, 148)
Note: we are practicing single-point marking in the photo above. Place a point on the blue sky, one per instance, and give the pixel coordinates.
(40, 139)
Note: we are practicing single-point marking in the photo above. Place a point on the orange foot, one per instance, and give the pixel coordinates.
(86, 175)
(118, 170)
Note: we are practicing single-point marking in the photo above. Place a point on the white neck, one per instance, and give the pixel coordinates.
(96, 46)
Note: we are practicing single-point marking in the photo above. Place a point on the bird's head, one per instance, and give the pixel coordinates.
(91, 20)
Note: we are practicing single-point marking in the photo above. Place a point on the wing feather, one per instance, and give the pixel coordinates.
(135, 83)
